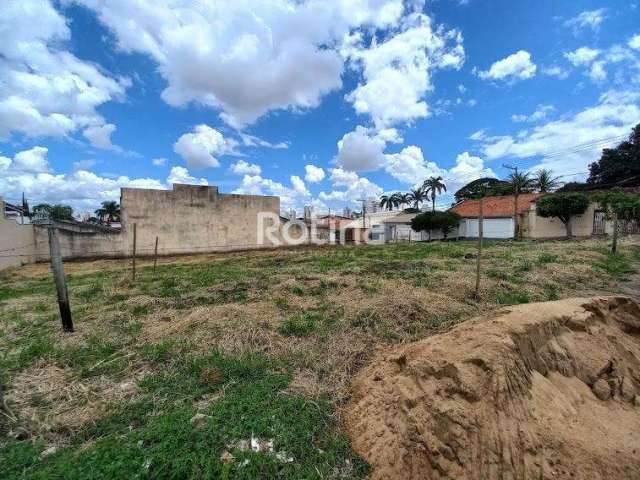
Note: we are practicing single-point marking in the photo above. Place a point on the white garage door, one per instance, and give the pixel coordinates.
(493, 228)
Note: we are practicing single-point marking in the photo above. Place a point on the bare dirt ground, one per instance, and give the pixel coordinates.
(546, 390)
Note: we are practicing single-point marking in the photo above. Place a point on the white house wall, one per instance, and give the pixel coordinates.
(492, 227)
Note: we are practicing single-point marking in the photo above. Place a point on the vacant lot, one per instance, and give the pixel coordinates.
(237, 365)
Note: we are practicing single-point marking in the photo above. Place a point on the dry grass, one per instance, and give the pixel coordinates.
(321, 314)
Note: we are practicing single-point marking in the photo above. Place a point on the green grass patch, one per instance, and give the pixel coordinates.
(615, 264)
(545, 257)
(512, 297)
(98, 355)
(156, 439)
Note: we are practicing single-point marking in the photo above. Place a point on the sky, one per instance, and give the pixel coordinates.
(321, 102)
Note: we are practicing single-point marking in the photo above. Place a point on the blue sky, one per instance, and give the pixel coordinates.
(319, 102)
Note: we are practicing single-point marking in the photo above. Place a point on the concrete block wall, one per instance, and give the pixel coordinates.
(192, 219)
(186, 219)
(17, 242)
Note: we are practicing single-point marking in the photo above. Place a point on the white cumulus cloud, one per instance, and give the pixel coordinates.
(397, 71)
(47, 91)
(611, 118)
(410, 167)
(201, 147)
(182, 175)
(290, 197)
(30, 172)
(517, 66)
(100, 136)
(245, 168)
(361, 150)
(313, 174)
(582, 56)
(244, 58)
(349, 187)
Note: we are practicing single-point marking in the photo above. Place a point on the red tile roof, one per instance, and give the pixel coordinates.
(495, 207)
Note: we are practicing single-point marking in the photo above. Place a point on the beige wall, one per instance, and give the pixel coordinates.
(534, 226)
(79, 244)
(187, 219)
(192, 219)
(17, 242)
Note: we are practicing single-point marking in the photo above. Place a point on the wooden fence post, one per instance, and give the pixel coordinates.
(155, 256)
(133, 258)
(614, 244)
(480, 234)
(58, 276)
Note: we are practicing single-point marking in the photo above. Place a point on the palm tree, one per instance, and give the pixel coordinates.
(417, 196)
(519, 183)
(545, 181)
(433, 186)
(109, 212)
(405, 199)
(522, 182)
(398, 199)
(389, 201)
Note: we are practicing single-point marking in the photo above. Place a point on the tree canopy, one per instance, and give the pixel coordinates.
(482, 187)
(55, 212)
(109, 212)
(545, 181)
(433, 186)
(626, 206)
(562, 206)
(428, 221)
(620, 164)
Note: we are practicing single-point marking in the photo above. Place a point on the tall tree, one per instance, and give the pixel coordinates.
(618, 205)
(405, 199)
(389, 202)
(109, 212)
(545, 182)
(563, 206)
(55, 212)
(443, 221)
(433, 186)
(417, 196)
(482, 187)
(619, 164)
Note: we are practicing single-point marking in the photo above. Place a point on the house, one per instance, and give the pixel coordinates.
(498, 215)
(498, 219)
(370, 226)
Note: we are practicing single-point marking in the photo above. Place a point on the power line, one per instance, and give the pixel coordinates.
(584, 146)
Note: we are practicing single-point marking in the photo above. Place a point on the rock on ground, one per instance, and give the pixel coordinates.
(538, 391)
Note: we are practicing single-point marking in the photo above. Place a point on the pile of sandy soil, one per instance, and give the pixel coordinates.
(546, 390)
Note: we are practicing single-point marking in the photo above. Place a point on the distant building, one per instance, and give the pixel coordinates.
(308, 212)
(372, 205)
(347, 213)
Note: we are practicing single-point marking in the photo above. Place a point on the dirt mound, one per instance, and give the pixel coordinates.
(546, 390)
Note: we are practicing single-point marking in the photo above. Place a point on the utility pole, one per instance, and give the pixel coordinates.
(516, 193)
(364, 212)
(479, 255)
(58, 276)
(133, 259)
(155, 255)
